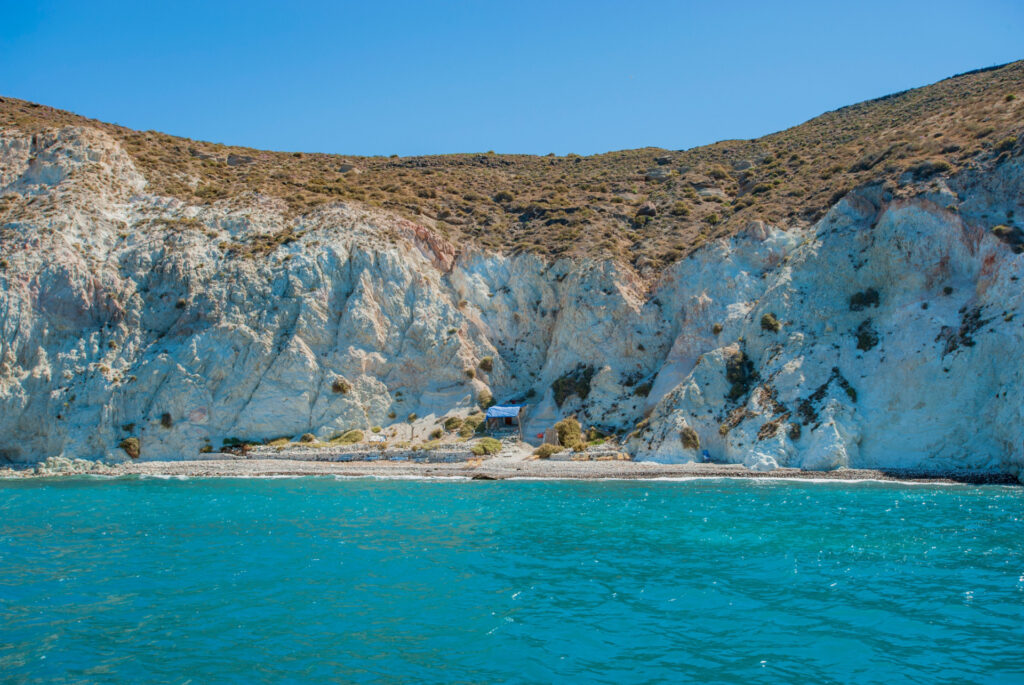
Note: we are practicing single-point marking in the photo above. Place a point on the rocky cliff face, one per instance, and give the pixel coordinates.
(885, 335)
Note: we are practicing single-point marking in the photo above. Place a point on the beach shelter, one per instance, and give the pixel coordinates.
(506, 415)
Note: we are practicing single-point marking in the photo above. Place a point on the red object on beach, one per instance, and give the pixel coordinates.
(540, 435)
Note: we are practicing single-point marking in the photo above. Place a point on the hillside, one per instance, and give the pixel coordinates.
(845, 293)
(644, 208)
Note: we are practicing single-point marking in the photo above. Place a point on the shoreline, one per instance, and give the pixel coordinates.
(482, 470)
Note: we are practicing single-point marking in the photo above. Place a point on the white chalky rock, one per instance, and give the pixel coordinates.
(118, 307)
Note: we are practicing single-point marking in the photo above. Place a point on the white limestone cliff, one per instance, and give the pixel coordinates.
(124, 314)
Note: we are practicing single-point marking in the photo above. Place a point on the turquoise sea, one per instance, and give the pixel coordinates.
(324, 580)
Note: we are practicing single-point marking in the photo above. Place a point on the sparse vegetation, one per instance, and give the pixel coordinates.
(340, 386)
(569, 434)
(862, 300)
(166, 421)
(487, 364)
(307, 438)
(513, 202)
(349, 437)
(689, 438)
(132, 447)
(867, 336)
(471, 425)
(486, 446)
(575, 382)
(770, 323)
(546, 450)
(739, 371)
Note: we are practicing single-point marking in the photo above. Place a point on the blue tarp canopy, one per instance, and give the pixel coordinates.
(502, 412)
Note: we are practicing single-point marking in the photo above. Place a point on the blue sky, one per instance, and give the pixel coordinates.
(379, 77)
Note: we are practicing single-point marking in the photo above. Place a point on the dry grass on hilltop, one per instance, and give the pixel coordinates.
(646, 207)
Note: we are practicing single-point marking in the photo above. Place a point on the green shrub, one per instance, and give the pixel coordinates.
(132, 447)
(470, 373)
(452, 423)
(691, 440)
(716, 328)
(436, 434)
(1006, 144)
(680, 209)
(348, 437)
(867, 336)
(546, 450)
(486, 446)
(375, 429)
(471, 425)
(166, 421)
(485, 399)
(739, 371)
(503, 196)
(770, 323)
(487, 364)
(864, 299)
(575, 382)
(307, 437)
(340, 386)
(568, 430)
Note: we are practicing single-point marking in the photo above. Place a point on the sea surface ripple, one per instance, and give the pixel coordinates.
(319, 579)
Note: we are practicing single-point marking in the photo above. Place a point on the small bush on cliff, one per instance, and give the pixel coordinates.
(470, 373)
(546, 450)
(1006, 144)
(486, 446)
(739, 371)
(485, 399)
(471, 424)
(166, 421)
(575, 382)
(436, 434)
(452, 423)
(348, 437)
(691, 440)
(866, 335)
(770, 323)
(307, 438)
(1012, 236)
(487, 364)
(863, 300)
(131, 447)
(340, 386)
